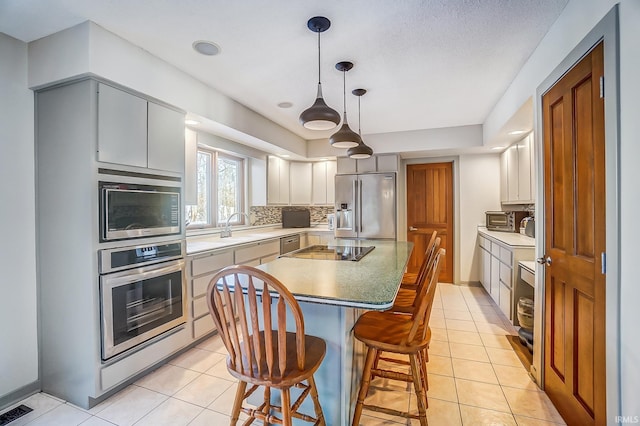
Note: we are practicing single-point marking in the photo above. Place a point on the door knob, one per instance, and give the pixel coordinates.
(413, 228)
(544, 261)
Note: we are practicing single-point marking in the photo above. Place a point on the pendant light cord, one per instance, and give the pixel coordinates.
(344, 93)
(319, 57)
(359, 119)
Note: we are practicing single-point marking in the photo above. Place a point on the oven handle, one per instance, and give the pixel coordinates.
(138, 274)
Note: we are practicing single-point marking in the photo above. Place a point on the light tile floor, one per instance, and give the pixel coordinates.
(475, 378)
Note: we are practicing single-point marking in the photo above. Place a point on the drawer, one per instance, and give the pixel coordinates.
(528, 277)
(199, 285)
(243, 255)
(200, 307)
(202, 326)
(505, 274)
(211, 263)
(483, 242)
(495, 249)
(268, 258)
(506, 256)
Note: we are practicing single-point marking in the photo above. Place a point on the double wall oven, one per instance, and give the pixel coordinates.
(141, 264)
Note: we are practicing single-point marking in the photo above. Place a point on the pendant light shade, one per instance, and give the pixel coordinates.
(360, 151)
(319, 116)
(345, 137)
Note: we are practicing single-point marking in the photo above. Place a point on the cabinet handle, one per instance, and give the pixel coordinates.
(413, 228)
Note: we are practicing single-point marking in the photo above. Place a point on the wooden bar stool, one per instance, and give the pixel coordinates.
(407, 298)
(261, 351)
(401, 334)
(409, 279)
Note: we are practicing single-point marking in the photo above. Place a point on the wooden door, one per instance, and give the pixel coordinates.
(574, 188)
(430, 208)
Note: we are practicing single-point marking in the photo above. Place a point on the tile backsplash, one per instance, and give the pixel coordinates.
(268, 215)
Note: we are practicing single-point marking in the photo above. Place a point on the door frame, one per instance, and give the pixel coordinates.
(402, 203)
(607, 30)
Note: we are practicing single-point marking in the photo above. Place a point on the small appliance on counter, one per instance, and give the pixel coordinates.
(331, 217)
(528, 226)
(296, 218)
(504, 221)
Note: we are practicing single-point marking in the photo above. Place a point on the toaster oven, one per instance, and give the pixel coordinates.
(504, 221)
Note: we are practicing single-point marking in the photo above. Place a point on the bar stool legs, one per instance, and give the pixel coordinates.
(364, 384)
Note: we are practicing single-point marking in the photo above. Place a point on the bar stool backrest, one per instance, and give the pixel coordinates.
(421, 314)
(252, 341)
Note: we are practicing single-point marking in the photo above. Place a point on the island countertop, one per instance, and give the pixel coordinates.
(370, 283)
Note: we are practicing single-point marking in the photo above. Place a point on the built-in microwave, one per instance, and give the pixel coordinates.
(134, 210)
(504, 221)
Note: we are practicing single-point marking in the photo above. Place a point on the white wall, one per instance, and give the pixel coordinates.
(630, 205)
(18, 303)
(479, 192)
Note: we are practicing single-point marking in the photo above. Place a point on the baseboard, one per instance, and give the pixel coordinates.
(19, 394)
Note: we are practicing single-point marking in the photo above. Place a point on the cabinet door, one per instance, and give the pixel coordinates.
(346, 165)
(512, 172)
(301, 177)
(524, 170)
(165, 139)
(367, 165)
(331, 184)
(505, 301)
(495, 279)
(277, 181)
(504, 176)
(319, 187)
(122, 127)
(387, 163)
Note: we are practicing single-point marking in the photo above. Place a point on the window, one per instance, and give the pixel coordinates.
(220, 190)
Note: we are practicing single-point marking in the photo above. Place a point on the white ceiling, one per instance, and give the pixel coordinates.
(425, 63)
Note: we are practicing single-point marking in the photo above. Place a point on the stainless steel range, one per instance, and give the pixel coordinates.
(325, 252)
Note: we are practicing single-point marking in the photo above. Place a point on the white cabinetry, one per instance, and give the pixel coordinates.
(259, 253)
(301, 176)
(498, 270)
(323, 189)
(315, 238)
(277, 181)
(134, 132)
(201, 269)
(516, 173)
(375, 163)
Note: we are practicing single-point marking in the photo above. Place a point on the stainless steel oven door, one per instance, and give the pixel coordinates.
(140, 304)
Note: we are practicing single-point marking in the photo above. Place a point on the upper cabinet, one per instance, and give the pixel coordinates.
(300, 175)
(300, 182)
(517, 173)
(135, 132)
(277, 181)
(375, 163)
(323, 190)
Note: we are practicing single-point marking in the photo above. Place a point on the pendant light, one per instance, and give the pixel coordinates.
(345, 137)
(319, 116)
(362, 150)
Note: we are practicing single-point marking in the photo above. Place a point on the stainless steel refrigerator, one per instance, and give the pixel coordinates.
(365, 206)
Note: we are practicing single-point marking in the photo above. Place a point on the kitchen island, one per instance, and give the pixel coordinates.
(332, 295)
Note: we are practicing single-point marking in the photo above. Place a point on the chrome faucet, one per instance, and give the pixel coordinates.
(226, 232)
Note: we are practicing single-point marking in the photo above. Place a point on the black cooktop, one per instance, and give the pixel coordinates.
(324, 252)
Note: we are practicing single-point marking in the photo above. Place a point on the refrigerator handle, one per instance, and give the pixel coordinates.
(354, 205)
(359, 205)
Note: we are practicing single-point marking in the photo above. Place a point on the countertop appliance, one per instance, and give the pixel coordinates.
(528, 226)
(365, 206)
(504, 221)
(325, 252)
(299, 218)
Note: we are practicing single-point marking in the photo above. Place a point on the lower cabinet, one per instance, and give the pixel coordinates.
(497, 275)
(315, 238)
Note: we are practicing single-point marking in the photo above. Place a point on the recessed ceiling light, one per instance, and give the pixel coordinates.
(204, 47)
(517, 132)
(191, 122)
(284, 155)
(497, 147)
(285, 104)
